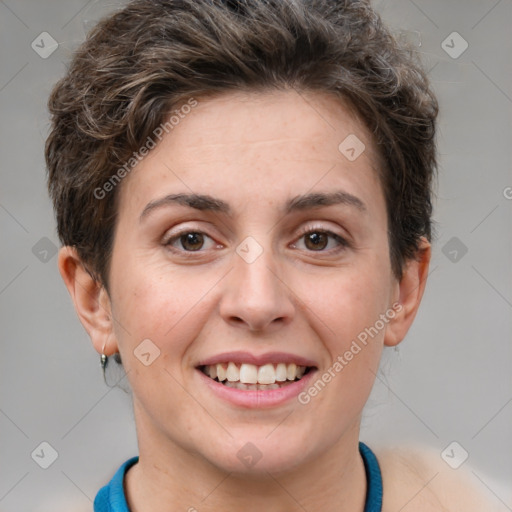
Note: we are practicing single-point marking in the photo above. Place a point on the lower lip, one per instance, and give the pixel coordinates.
(257, 399)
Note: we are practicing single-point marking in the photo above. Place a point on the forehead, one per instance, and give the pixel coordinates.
(277, 118)
(259, 144)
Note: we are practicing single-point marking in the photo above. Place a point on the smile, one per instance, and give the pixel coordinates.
(248, 376)
(255, 381)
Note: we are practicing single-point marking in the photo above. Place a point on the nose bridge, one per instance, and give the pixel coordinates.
(255, 295)
(257, 277)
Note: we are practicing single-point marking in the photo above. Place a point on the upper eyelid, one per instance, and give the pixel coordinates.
(172, 233)
(317, 227)
(342, 234)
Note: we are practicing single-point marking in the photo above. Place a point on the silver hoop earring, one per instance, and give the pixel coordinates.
(104, 362)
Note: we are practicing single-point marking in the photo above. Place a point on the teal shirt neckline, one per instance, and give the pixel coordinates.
(111, 498)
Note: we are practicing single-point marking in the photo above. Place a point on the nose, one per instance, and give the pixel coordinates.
(255, 296)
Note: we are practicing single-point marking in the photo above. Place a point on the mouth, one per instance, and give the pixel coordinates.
(251, 377)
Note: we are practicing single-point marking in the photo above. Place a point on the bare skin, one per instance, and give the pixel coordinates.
(254, 152)
(417, 479)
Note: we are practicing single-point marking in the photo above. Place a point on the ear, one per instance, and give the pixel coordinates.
(91, 301)
(408, 293)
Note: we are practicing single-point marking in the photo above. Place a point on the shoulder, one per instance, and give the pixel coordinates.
(416, 478)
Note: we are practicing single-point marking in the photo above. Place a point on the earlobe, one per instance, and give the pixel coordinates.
(410, 292)
(91, 301)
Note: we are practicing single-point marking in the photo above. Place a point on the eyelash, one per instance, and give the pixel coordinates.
(342, 242)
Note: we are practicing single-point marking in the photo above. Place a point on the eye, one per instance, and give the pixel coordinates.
(320, 240)
(189, 241)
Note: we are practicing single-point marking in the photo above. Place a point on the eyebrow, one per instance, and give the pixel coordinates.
(315, 200)
(299, 203)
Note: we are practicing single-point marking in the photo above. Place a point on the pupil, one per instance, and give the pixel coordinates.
(318, 241)
(192, 241)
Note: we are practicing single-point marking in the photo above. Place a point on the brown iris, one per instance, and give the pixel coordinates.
(316, 240)
(192, 241)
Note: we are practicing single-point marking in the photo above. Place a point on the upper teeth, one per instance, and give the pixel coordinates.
(252, 374)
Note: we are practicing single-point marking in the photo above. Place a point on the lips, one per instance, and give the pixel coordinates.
(245, 378)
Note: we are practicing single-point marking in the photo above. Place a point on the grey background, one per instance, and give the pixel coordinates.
(451, 380)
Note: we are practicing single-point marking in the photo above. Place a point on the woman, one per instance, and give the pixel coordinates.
(243, 195)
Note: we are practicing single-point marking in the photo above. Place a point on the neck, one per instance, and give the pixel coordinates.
(169, 476)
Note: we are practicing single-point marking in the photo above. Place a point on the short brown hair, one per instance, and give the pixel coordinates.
(153, 55)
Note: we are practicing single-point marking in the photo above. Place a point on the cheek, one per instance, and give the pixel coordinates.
(348, 301)
(362, 300)
(166, 307)
(346, 312)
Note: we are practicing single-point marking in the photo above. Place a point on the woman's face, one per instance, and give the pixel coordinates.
(248, 236)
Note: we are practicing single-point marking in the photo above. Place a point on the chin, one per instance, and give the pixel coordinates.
(256, 456)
